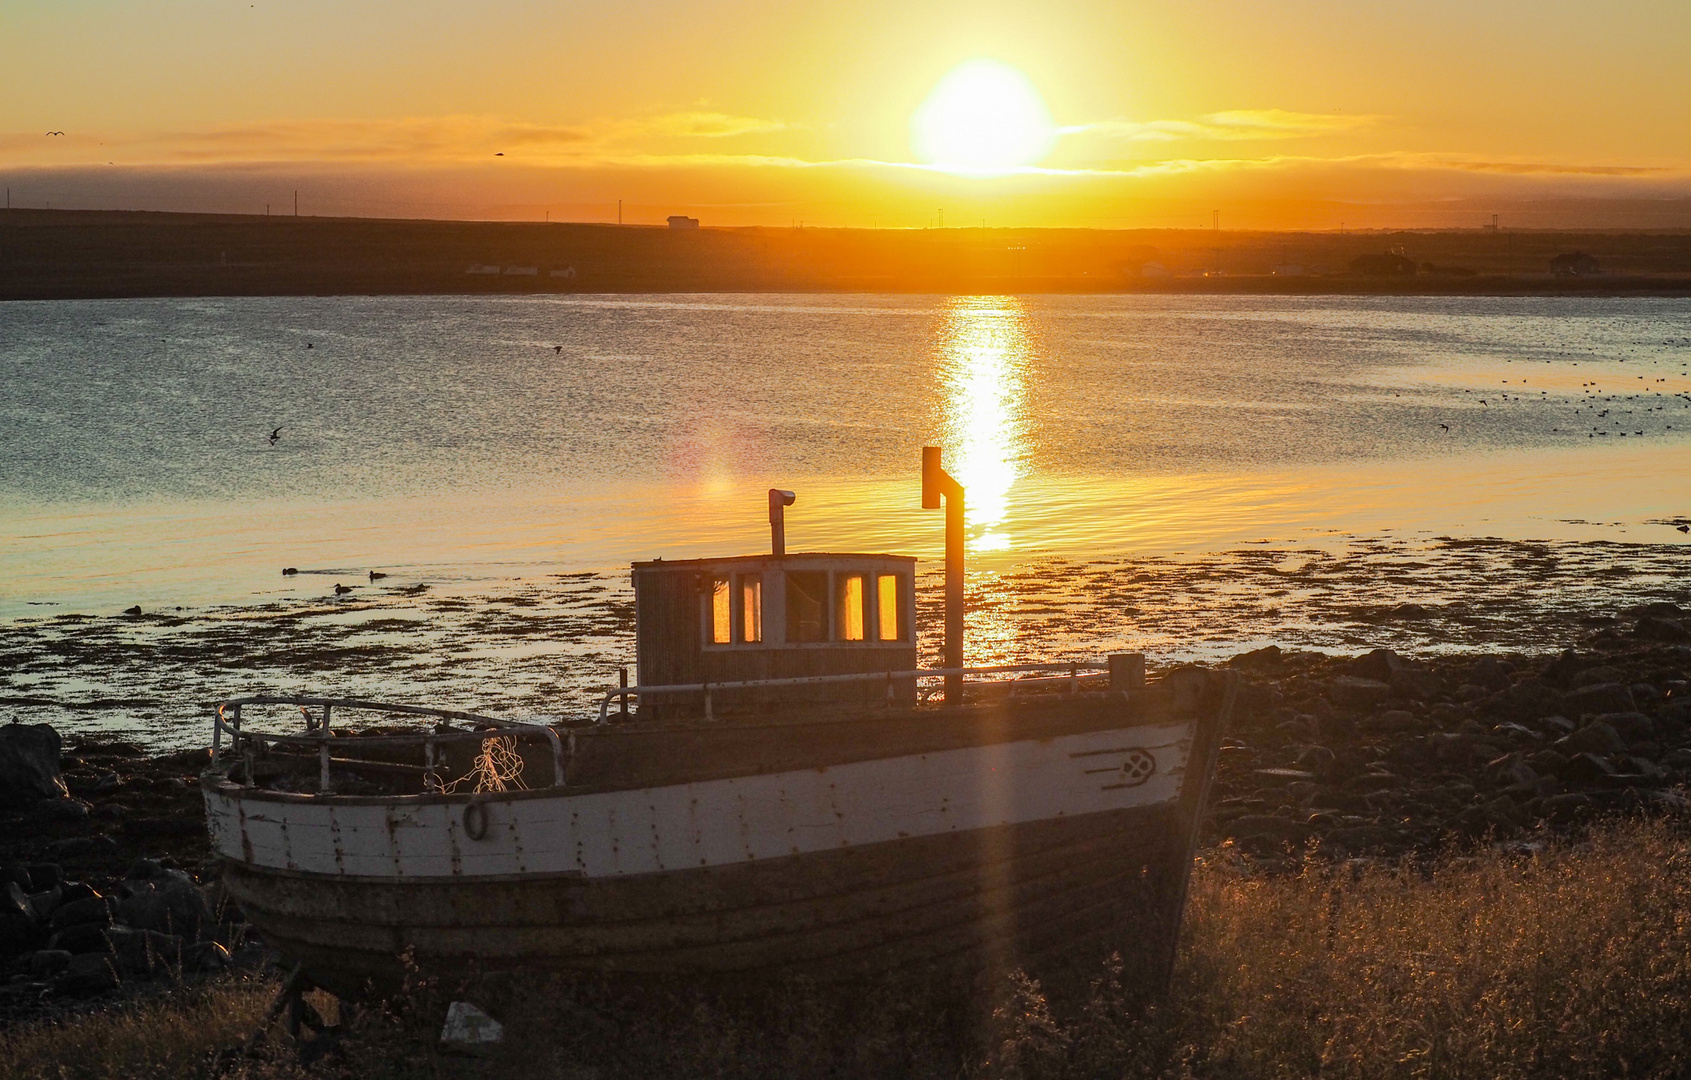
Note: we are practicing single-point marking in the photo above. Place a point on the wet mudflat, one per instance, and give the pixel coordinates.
(546, 647)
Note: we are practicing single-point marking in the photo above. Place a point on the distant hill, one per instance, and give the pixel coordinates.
(46, 254)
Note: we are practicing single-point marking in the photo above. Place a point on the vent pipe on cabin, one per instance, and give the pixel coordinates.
(778, 502)
(937, 484)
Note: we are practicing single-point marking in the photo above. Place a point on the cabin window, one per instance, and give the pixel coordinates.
(751, 607)
(721, 612)
(848, 607)
(886, 607)
(807, 605)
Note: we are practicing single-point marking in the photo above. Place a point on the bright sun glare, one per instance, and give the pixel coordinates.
(983, 117)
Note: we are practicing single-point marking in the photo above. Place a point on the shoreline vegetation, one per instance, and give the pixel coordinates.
(89, 254)
(1573, 960)
(1434, 866)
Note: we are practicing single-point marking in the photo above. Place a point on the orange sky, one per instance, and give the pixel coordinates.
(1300, 113)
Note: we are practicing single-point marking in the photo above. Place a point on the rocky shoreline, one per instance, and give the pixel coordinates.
(1381, 755)
(110, 889)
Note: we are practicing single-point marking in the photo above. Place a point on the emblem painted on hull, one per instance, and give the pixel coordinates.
(1136, 766)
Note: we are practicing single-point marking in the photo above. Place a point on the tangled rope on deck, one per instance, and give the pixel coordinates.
(499, 767)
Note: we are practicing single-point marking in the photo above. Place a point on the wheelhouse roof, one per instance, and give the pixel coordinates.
(791, 556)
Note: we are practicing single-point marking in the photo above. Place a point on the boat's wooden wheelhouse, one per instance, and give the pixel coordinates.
(718, 622)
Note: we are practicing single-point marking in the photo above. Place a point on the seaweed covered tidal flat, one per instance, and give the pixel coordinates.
(543, 647)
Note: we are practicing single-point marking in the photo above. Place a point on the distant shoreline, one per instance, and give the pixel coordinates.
(75, 254)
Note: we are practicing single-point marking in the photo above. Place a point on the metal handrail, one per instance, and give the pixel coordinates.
(1074, 669)
(227, 717)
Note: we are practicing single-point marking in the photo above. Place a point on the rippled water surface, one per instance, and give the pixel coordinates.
(483, 446)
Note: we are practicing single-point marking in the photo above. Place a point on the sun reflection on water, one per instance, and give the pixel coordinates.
(985, 351)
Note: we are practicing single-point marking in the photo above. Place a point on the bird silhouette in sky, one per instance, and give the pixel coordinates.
(55, 133)
(1482, 402)
(1445, 426)
(557, 350)
(500, 154)
(275, 436)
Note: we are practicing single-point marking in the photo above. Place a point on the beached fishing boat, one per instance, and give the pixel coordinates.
(789, 793)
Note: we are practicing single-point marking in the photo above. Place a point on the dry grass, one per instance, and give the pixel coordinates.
(169, 1035)
(1572, 963)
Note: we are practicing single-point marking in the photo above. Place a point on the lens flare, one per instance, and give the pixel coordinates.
(984, 117)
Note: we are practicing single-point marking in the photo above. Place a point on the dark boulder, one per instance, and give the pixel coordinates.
(45, 875)
(1654, 629)
(1526, 700)
(1266, 657)
(1594, 738)
(1562, 670)
(169, 903)
(143, 952)
(1573, 806)
(20, 930)
(1634, 727)
(94, 909)
(1605, 697)
(1417, 684)
(1389, 722)
(1490, 673)
(1586, 769)
(98, 846)
(205, 956)
(47, 963)
(1355, 693)
(60, 811)
(87, 975)
(81, 938)
(29, 766)
(1378, 665)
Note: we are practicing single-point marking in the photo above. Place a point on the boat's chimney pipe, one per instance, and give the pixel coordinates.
(937, 484)
(778, 502)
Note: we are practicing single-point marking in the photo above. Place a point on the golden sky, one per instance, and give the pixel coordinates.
(1294, 113)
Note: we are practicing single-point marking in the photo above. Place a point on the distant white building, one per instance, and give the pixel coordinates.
(478, 268)
(522, 271)
(566, 272)
(682, 221)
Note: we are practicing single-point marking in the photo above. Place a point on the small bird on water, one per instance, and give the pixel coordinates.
(275, 436)
(377, 575)
(342, 590)
(1683, 528)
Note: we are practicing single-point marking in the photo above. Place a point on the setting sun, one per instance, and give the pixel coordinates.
(983, 117)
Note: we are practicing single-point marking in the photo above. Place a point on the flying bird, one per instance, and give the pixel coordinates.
(500, 154)
(557, 350)
(1445, 426)
(55, 133)
(275, 436)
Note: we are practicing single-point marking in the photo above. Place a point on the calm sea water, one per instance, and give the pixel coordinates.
(1183, 475)
(467, 438)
